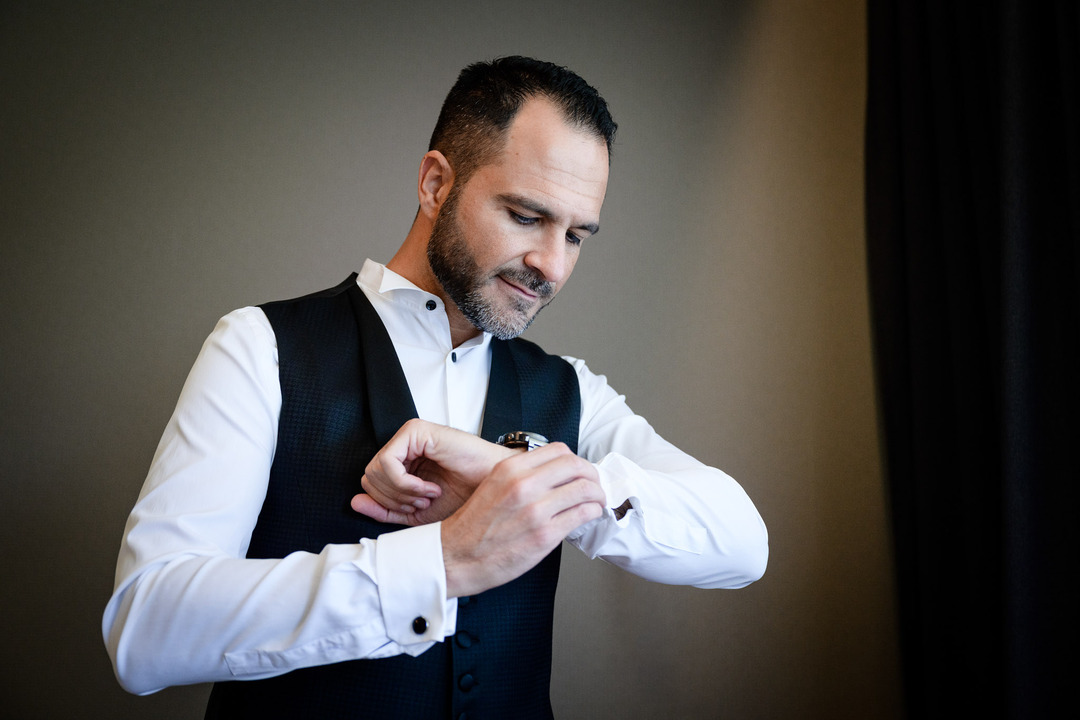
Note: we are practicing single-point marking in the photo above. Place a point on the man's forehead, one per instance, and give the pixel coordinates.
(542, 121)
(569, 192)
(541, 141)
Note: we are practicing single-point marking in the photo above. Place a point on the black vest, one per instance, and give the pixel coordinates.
(344, 395)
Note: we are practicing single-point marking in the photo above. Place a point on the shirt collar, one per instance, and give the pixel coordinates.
(397, 290)
(380, 279)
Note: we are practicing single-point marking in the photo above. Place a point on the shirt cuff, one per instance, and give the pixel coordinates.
(412, 587)
(618, 488)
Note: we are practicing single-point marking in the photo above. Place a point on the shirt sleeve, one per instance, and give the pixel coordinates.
(189, 607)
(688, 523)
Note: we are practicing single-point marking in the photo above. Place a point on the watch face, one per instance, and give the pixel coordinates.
(534, 440)
(523, 438)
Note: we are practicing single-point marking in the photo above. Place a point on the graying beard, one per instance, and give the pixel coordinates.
(479, 312)
(453, 263)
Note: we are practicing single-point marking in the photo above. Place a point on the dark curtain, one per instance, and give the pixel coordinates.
(973, 227)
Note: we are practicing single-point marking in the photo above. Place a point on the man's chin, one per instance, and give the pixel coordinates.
(508, 331)
(503, 317)
(506, 328)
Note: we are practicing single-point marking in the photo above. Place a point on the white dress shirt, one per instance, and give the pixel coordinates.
(189, 607)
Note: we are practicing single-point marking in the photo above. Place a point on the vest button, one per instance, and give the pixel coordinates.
(467, 682)
(463, 639)
(419, 626)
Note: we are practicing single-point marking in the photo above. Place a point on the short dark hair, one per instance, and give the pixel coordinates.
(478, 110)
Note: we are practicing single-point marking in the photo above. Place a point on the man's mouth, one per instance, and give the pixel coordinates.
(515, 286)
(530, 285)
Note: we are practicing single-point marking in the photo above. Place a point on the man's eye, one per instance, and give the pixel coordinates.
(573, 239)
(522, 219)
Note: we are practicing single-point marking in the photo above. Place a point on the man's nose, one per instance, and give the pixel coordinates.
(549, 258)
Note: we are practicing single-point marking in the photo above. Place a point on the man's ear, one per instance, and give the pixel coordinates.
(433, 186)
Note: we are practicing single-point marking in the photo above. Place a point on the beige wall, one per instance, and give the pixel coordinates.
(162, 166)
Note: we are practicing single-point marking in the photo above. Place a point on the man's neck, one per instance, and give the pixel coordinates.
(413, 265)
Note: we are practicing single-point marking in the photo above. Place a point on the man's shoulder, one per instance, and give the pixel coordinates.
(330, 292)
(325, 317)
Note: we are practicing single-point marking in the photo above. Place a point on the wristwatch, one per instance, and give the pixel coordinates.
(522, 439)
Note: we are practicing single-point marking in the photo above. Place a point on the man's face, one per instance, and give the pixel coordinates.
(505, 242)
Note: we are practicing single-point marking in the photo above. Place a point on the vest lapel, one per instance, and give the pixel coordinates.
(389, 400)
(502, 408)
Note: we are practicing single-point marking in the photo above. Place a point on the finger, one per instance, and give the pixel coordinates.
(418, 442)
(562, 511)
(566, 508)
(366, 505)
(389, 480)
(393, 500)
(540, 455)
(555, 452)
(417, 474)
(551, 469)
(390, 466)
(572, 494)
(574, 517)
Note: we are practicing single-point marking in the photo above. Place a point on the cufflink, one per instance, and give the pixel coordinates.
(419, 625)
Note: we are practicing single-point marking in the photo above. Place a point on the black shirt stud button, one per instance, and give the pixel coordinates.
(431, 305)
(419, 626)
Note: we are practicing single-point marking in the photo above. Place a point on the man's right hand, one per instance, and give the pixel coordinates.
(516, 516)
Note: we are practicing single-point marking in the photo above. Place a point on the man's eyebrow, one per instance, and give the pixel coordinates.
(535, 207)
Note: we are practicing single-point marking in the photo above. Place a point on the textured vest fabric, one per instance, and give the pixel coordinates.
(344, 395)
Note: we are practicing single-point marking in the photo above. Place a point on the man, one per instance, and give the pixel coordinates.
(268, 547)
